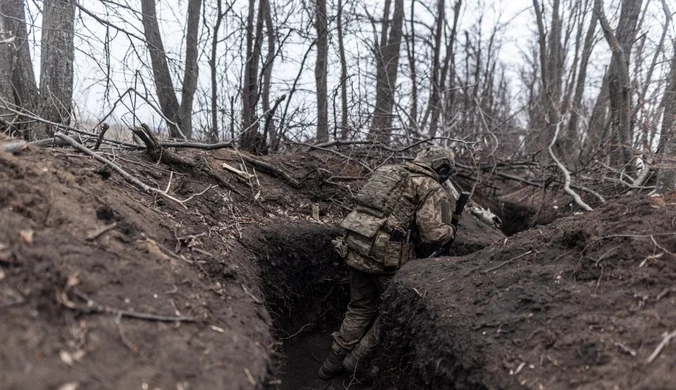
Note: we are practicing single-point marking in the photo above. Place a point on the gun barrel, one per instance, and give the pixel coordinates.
(459, 207)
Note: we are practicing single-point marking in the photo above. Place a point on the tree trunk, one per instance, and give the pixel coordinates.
(191, 71)
(25, 92)
(411, 52)
(435, 100)
(449, 71)
(625, 37)
(641, 100)
(343, 74)
(213, 135)
(666, 178)
(320, 71)
(164, 86)
(251, 139)
(573, 133)
(551, 68)
(6, 64)
(56, 63)
(619, 88)
(270, 128)
(387, 61)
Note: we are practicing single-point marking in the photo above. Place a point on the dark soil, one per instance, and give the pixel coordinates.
(307, 290)
(159, 258)
(580, 304)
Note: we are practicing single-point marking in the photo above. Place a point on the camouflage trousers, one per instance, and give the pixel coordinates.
(362, 312)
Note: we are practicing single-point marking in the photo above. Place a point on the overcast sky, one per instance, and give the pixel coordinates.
(126, 69)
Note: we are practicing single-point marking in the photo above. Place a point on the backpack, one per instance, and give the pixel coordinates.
(381, 194)
(378, 200)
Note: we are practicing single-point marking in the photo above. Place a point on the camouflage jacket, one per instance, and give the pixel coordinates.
(420, 209)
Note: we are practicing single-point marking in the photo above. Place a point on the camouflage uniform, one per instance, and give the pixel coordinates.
(423, 208)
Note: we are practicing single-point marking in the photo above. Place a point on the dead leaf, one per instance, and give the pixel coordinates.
(69, 386)
(73, 281)
(27, 236)
(154, 249)
(66, 358)
(78, 355)
(2, 274)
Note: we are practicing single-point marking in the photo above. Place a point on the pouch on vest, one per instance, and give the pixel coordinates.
(340, 246)
(394, 254)
(365, 226)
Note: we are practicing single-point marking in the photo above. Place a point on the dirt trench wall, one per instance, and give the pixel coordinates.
(66, 231)
(583, 303)
(414, 353)
(298, 266)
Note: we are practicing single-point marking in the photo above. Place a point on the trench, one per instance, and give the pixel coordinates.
(306, 289)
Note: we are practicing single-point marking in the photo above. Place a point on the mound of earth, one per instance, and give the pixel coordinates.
(584, 303)
(103, 286)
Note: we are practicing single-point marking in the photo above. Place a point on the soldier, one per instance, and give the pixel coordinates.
(399, 206)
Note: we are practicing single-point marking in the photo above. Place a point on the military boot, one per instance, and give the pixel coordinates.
(333, 365)
(360, 367)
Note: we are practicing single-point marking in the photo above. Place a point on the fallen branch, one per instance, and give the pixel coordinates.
(95, 307)
(197, 145)
(244, 175)
(159, 154)
(566, 174)
(119, 170)
(504, 263)
(97, 233)
(271, 169)
(665, 341)
(336, 153)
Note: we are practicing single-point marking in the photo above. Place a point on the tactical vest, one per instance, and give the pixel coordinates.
(378, 226)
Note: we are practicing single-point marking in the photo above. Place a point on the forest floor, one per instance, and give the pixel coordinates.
(103, 286)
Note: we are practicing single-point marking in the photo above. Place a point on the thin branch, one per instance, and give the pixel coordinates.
(95, 307)
(566, 174)
(665, 341)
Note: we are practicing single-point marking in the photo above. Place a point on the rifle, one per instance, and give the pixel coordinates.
(459, 207)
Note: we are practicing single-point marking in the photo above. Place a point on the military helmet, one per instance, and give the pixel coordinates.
(439, 159)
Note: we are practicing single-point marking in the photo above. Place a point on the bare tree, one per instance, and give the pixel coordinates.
(625, 37)
(387, 65)
(213, 58)
(179, 116)
(551, 69)
(576, 106)
(666, 178)
(619, 88)
(435, 100)
(343, 73)
(320, 71)
(56, 64)
(267, 73)
(411, 53)
(251, 139)
(24, 90)
(191, 69)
